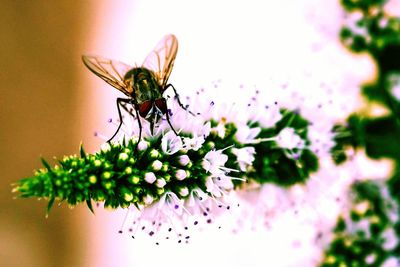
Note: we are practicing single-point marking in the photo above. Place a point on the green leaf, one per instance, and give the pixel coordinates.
(50, 205)
(89, 204)
(46, 164)
(82, 151)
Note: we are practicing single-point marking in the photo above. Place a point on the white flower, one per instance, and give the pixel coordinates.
(194, 143)
(214, 162)
(199, 136)
(321, 137)
(268, 116)
(204, 130)
(218, 182)
(246, 135)
(287, 138)
(196, 195)
(217, 185)
(173, 202)
(244, 157)
(164, 217)
(220, 128)
(170, 143)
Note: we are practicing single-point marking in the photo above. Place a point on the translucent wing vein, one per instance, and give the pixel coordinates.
(111, 71)
(161, 59)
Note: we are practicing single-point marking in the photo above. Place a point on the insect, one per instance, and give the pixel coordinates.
(144, 85)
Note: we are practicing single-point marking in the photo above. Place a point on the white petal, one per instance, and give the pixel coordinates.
(170, 143)
(287, 138)
(209, 184)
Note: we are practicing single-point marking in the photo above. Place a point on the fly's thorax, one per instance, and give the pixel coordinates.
(144, 83)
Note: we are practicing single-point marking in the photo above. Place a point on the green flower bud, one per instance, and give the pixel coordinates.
(123, 157)
(134, 179)
(165, 167)
(128, 170)
(92, 179)
(154, 154)
(106, 175)
(97, 163)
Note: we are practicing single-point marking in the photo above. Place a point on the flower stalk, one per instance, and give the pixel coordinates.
(226, 157)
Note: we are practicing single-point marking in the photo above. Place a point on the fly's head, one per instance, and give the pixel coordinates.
(153, 111)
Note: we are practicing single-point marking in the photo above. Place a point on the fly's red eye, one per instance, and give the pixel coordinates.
(161, 104)
(144, 108)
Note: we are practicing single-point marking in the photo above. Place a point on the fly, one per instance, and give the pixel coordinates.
(144, 86)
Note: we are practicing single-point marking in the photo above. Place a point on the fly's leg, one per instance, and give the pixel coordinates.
(178, 99)
(124, 106)
(139, 123)
(120, 102)
(170, 125)
(130, 111)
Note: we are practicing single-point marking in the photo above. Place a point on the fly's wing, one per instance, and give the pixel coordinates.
(161, 59)
(111, 71)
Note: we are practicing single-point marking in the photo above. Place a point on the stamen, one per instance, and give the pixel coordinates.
(121, 228)
(99, 135)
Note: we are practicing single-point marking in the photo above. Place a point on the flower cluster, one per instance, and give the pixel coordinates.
(171, 182)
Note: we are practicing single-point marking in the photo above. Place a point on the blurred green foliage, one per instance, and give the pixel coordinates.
(361, 237)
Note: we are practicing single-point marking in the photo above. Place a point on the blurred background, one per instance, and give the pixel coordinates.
(41, 43)
(50, 103)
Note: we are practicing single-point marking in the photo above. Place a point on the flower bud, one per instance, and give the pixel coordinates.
(150, 177)
(123, 156)
(156, 165)
(143, 145)
(180, 175)
(184, 160)
(154, 153)
(161, 183)
(184, 191)
(105, 147)
(148, 199)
